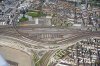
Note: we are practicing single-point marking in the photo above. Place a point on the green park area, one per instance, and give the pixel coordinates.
(35, 14)
(23, 19)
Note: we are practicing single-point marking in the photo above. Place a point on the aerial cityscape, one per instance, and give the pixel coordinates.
(49, 32)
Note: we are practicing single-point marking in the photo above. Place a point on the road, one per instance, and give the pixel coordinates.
(28, 34)
(48, 55)
(31, 44)
(29, 38)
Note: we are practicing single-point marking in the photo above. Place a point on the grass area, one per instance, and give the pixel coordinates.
(35, 14)
(60, 54)
(36, 60)
(23, 19)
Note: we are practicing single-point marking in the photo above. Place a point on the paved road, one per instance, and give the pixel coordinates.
(28, 34)
(64, 43)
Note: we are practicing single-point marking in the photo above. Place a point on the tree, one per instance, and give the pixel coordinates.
(23, 11)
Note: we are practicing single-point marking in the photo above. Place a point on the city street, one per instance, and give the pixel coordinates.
(50, 33)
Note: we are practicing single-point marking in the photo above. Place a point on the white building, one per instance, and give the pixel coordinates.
(43, 21)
